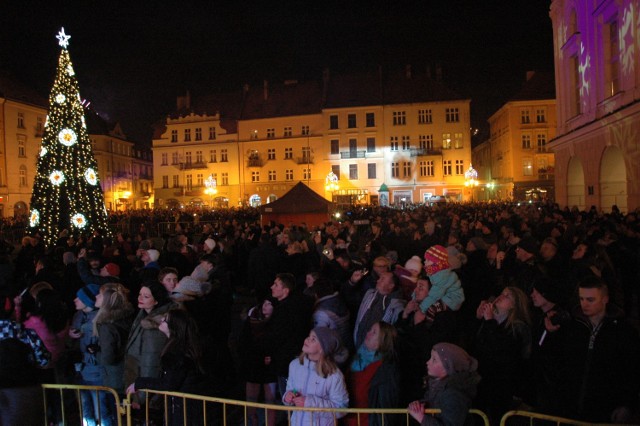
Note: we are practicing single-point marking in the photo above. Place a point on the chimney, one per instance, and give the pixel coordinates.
(530, 74)
(407, 71)
(265, 89)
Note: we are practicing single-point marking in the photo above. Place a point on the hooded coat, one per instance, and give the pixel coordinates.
(453, 396)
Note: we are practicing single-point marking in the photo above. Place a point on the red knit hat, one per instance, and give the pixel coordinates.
(439, 257)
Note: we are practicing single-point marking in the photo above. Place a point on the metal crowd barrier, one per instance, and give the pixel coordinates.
(517, 417)
(63, 406)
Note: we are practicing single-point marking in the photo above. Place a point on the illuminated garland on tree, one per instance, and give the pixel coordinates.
(66, 190)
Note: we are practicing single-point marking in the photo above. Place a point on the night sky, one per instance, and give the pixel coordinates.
(133, 58)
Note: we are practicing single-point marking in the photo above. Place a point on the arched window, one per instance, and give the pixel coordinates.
(255, 200)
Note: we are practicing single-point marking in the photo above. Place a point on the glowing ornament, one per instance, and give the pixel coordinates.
(90, 176)
(84, 123)
(34, 219)
(67, 137)
(56, 177)
(60, 98)
(46, 121)
(70, 70)
(78, 220)
(63, 38)
(43, 151)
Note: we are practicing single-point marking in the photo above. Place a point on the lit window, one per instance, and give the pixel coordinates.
(527, 167)
(446, 141)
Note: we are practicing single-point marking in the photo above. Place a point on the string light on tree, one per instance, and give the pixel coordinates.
(66, 189)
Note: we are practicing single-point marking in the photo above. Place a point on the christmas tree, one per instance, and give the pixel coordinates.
(66, 189)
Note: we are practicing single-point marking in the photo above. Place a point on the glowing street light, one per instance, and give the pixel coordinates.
(211, 188)
(471, 179)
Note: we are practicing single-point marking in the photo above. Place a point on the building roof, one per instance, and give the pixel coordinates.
(282, 100)
(299, 199)
(11, 88)
(539, 85)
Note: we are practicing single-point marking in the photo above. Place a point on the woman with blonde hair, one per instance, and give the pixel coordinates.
(502, 347)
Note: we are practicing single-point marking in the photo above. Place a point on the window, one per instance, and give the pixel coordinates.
(271, 133)
(174, 136)
(255, 176)
(333, 122)
(288, 132)
(212, 133)
(189, 182)
(306, 154)
(425, 116)
(224, 156)
(353, 171)
(21, 120)
(394, 143)
(288, 153)
(187, 157)
(306, 174)
(371, 144)
(426, 168)
(271, 154)
(526, 141)
(187, 135)
(395, 170)
(23, 175)
(399, 118)
(212, 156)
(541, 116)
(165, 181)
(524, 117)
(335, 146)
(288, 174)
(22, 150)
(305, 130)
(452, 115)
(459, 167)
(446, 167)
(198, 156)
(165, 159)
(39, 125)
(371, 171)
(541, 140)
(426, 142)
(272, 175)
(351, 121)
(457, 141)
(370, 119)
(225, 179)
(527, 167)
(612, 59)
(446, 141)
(198, 133)
(176, 181)
(199, 179)
(406, 143)
(336, 170)
(406, 167)
(175, 158)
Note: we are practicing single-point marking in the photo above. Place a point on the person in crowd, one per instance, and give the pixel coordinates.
(445, 291)
(315, 380)
(111, 326)
(501, 346)
(525, 269)
(384, 303)
(109, 273)
(451, 387)
(601, 352)
(181, 368)
(10, 329)
(146, 341)
(374, 380)
(256, 367)
(331, 311)
(168, 277)
(408, 275)
(82, 330)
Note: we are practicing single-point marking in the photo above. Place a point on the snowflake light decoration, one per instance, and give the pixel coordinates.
(34, 218)
(56, 177)
(78, 220)
(63, 38)
(43, 151)
(90, 176)
(67, 137)
(70, 71)
(60, 98)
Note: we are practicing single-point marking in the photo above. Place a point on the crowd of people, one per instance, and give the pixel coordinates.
(490, 306)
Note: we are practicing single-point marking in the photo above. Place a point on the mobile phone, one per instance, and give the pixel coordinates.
(24, 291)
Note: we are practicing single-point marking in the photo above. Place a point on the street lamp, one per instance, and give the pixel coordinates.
(471, 179)
(211, 188)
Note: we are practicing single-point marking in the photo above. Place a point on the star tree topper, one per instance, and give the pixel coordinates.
(64, 39)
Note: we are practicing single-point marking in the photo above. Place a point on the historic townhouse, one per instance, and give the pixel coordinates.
(597, 69)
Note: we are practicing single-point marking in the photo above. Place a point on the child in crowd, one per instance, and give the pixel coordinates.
(446, 290)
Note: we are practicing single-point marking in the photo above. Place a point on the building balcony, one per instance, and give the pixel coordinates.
(345, 155)
(423, 152)
(305, 159)
(255, 162)
(191, 166)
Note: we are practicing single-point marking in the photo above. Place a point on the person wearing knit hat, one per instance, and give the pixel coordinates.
(414, 265)
(315, 365)
(408, 275)
(153, 255)
(446, 290)
(452, 385)
(110, 270)
(189, 286)
(87, 295)
(209, 245)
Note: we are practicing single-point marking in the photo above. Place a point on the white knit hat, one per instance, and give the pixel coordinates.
(414, 265)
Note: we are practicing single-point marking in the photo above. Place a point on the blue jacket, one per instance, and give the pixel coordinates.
(445, 285)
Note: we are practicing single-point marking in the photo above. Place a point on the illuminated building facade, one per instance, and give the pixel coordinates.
(596, 52)
(406, 131)
(521, 166)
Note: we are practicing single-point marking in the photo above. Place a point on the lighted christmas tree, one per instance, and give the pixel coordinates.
(66, 188)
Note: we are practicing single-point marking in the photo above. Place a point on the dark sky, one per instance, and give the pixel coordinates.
(133, 58)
